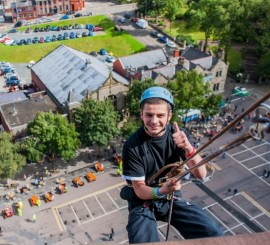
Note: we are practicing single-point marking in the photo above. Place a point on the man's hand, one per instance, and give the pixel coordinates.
(170, 186)
(181, 140)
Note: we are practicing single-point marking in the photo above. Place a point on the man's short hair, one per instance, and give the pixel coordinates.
(156, 101)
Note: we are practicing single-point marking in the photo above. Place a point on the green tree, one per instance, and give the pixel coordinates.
(11, 160)
(96, 122)
(191, 92)
(130, 127)
(30, 150)
(54, 136)
(134, 94)
(171, 9)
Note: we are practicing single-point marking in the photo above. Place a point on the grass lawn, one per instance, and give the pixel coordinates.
(180, 27)
(119, 43)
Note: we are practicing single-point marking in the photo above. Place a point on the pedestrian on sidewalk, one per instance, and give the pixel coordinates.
(34, 218)
(112, 231)
(224, 155)
(111, 237)
(235, 191)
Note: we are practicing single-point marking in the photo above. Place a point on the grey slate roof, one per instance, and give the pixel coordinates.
(149, 59)
(17, 96)
(66, 69)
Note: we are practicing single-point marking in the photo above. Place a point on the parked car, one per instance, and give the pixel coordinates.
(60, 37)
(127, 16)
(14, 43)
(155, 34)
(72, 35)
(122, 20)
(77, 15)
(89, 26)
(94, 53)
(10, 74)
(70, 12)
(64, 17)
(12, 77)
(41, 40)
(98, 28)
(18, 23)
(42, 29)
(163, 39)
(76, 26)
(65, 36)
(134, 19)
(84, 34)
(53, 28)
(5, 38)
(13, 83)
(28, 41)
(53, 39)
(64, 27)
(110, 59)
(240, 91)
(70, 27)
(36, 29)
(22, 42)
(47, 39)
(91, 33)
(35, 40)
(59, 28)
(13, 30)
(31, 63)
(78, 34)
(170, 44)
(48, 28)
(81, 26)
(89, 13)
(103, 51)
(6, 69)
(8, 42)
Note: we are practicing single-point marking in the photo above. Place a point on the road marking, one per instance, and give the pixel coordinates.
(90, 195)
(57, 218)
(255, 203)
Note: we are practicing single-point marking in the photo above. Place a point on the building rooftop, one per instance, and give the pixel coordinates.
(23, 112)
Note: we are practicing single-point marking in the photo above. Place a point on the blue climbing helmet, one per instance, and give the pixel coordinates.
(157, 92)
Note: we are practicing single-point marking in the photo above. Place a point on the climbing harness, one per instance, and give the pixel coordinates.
(260, 125)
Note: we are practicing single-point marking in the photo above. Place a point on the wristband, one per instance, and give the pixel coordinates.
(156, 194)
(192, 153)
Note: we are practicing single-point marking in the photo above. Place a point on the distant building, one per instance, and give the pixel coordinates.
(17, 110)
(213, 69)
(69, 76)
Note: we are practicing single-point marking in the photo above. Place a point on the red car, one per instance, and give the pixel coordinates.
(5, 39)
(41, 40)
(134, 19)
(98, 28)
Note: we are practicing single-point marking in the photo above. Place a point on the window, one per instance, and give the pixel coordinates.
(113, 99)
(216, 87)
(219, 73)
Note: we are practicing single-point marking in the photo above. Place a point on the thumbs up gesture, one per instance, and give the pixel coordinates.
(181, 140)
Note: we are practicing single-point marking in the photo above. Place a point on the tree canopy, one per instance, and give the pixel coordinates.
(54, 135)
(191, 92)
(11, 160)
(134, 94)
(96, 122)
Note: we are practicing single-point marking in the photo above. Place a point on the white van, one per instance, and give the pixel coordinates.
(142, 23)
(190, 115)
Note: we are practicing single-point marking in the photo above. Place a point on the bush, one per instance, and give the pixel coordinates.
(160, 23)
(187, 38)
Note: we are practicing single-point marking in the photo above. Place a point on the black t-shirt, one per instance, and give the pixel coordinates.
(144, 155)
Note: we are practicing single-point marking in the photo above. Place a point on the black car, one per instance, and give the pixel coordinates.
(36, 29)
(59, 28)
(65, 28)
(18, 24)
(77, 15)
(54, 38)
(42, 29)
(84, 34)
(48, 28)
(35, 40)
(70, 12)
(14, 30)
(94, 53)
(22, 42)
(127, 15)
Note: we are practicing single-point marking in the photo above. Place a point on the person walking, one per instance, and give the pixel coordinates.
(150, 148)
(34, 218)
(224, 155)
